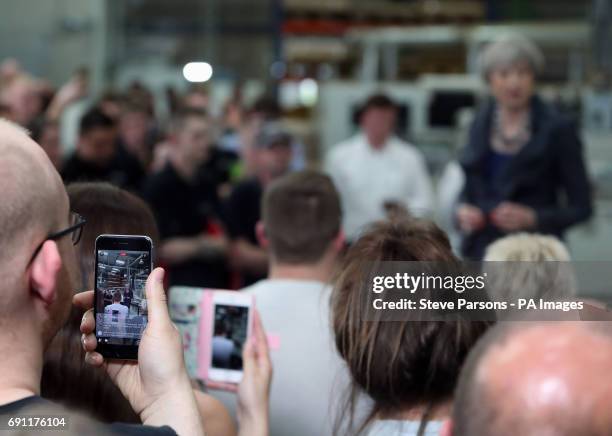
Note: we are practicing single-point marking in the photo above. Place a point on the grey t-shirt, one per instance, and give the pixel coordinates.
(309, 376)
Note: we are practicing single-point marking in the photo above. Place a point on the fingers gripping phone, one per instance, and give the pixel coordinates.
(123, 263)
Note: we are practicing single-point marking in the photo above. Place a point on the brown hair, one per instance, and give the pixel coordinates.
(401, 365)
(66, 378)
(301, 214)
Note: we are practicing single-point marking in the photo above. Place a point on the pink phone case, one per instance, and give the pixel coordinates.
(205, 331)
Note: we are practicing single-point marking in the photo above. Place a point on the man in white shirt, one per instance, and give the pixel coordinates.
(301, 227)
(376, 173)
(116, 308)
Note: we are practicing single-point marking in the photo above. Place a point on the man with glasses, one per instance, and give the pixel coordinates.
(38, 270)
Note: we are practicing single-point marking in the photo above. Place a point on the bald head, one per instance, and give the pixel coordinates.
(537, 379)
(32, 201)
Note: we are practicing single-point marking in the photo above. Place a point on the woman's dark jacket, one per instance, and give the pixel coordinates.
(548, 174)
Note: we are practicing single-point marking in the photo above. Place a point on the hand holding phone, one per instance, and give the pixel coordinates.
(230, 325)
(123, 263)
(157, 385)
(254, 388)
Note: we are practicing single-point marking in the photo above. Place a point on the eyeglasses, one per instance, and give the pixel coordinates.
(75, 229)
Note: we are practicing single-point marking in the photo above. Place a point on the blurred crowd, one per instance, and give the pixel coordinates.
(202, 175)
(230, 205)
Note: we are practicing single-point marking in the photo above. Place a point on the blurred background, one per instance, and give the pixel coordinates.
(318, 60)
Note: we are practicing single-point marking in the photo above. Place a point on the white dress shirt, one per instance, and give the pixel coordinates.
(367, 177)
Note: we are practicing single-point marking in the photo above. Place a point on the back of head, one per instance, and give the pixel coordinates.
(527, 247)
(401, 365)
(109, 210)
(29, 209)
(305, 200)
(534, 266)
(183, 115)
(537, 379)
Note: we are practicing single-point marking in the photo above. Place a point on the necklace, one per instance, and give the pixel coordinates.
(510, 143)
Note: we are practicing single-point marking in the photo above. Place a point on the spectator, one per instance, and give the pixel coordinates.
(536, 379)
(222, 346)
(376, 172)
(39, 271)
(185, 205)
(97, 157)
(266, 110)
(111, 211)
(523, 164)
(116, 306)
(46, 133)
(136, 136)
(531, 266)
(243, 208)
(294, 300)
(407, 368)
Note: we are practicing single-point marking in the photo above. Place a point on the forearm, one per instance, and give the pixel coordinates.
(177, 409)
(250, 258)
(254, 425)
(201, 247)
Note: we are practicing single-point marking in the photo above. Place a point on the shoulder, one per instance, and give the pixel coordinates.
(406, 150)
(247, 187)
(341, 149)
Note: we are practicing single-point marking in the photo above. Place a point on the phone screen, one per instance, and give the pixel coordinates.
(121, 305)
(229, 335)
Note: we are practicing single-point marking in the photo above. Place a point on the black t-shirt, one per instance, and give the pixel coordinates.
(242, 211)
(122, 170)
(76, 424)
(186, 209)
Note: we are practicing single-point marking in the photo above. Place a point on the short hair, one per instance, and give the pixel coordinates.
(474, 412)
(180, 118)
(95, 118)
(267, 106)
(398, 364)
(302, 215)
(108, 209)
(117, 296)
(380, 101)
(534, 266)
(508, 50)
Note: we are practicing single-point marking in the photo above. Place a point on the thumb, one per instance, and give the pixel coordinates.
(249, 356)
(157, 300)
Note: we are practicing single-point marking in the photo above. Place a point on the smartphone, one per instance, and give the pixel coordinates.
(123, 263)
(231, 326)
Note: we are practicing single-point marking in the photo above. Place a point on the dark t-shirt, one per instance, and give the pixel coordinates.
(76, 424)
(123, 170)
(186, 209)
(242, 211)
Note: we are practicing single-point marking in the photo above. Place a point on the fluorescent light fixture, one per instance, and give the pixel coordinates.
(197, 71)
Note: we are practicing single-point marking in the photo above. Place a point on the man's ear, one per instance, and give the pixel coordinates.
(447, 428)
(45, 268)
(260, 232)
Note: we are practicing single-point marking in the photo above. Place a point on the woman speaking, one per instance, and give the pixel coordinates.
(523, 165)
